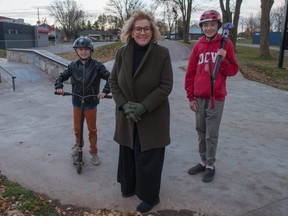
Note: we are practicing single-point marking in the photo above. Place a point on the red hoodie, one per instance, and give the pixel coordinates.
(197, 80)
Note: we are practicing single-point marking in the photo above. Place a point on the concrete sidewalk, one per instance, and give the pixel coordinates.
(251, 168)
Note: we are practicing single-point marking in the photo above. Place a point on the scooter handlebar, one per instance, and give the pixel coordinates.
(64, 94)
(108, 96)
(68, 94)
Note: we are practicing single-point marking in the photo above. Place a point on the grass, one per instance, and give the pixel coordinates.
(263, 70)
(13, 198)
(103, 53)
(2, 53)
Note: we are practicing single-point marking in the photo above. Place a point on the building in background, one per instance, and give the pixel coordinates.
(274, 38)
(14, 33)
(98, 35)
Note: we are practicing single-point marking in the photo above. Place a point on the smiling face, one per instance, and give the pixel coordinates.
(210, 28)
(83, 53)
(142, 32)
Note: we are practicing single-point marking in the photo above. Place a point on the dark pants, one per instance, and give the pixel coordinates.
(140, 172)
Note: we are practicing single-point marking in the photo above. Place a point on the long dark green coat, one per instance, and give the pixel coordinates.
(151, 84)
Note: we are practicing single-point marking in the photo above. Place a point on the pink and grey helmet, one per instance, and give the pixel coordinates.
(210, 15)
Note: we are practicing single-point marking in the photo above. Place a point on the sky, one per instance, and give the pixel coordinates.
(32, 10)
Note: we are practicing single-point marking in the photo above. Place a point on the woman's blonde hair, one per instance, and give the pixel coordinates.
(126, 34)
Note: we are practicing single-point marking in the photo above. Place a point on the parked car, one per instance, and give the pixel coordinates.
(240, 38)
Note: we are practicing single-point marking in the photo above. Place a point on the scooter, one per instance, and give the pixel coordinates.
(77, 160)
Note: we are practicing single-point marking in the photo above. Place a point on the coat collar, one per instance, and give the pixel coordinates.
(127, 62)
(127, 57)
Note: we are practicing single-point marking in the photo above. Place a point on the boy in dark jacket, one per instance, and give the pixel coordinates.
(198, 89)
(86, 74)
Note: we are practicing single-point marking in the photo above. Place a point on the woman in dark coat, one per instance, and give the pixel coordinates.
(141, 81)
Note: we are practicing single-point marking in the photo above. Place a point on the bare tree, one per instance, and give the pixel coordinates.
(123, 8)
(266, 6)
(69, 16)
(95, 26)
(227, 16)
(185, 6)
(226, 11)
(277, 18)
(102, 20)
(252, 24)
(168, 14)
(114, 22)
(242, 23)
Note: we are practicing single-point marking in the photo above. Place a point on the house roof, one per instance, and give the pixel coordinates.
(2, 17)
(93, 32)
(195, 30)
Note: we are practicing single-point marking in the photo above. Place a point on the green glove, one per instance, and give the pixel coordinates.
(139, 108)
(129, 111)
(133, 117)
(125, 106)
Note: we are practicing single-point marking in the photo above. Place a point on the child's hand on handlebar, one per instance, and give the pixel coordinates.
(101, 95)
(60, 91)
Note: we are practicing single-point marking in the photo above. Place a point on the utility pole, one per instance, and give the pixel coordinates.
(38, 22)
(284, 44)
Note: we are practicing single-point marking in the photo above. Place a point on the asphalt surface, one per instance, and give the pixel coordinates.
(36, 136)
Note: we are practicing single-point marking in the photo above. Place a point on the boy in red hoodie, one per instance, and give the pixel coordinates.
(198, 89)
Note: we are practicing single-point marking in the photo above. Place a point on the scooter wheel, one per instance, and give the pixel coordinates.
(79, 168)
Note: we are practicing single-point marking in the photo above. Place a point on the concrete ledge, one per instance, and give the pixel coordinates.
(48, 62)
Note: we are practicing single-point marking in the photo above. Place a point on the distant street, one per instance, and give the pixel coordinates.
(68, 47)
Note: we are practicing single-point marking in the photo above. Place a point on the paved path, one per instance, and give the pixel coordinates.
(251, 168)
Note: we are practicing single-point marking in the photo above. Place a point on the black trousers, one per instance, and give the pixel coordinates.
(140, 172)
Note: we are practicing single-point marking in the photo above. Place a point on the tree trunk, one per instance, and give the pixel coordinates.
(185, 7)
(227, 17)
(186, 26)
(236, 21)
(266, 6)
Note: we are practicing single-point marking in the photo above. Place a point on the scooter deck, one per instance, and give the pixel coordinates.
(74, 158)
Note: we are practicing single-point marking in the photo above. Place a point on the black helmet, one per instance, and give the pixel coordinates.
(83, 42)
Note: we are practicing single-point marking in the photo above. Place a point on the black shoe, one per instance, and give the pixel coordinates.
(145, 207)
(128, 195)
(196, 169)
(208, 175)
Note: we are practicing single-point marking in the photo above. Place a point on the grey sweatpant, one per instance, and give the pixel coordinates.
(207, 126)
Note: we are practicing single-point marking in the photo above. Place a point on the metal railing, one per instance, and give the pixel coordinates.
(12, 76)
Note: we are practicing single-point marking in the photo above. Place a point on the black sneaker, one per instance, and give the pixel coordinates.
(208, 175)
(145, 207)
(196, 169)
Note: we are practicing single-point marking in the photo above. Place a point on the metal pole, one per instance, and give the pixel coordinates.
(13, 82)
(55, 35)
(284, 43)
